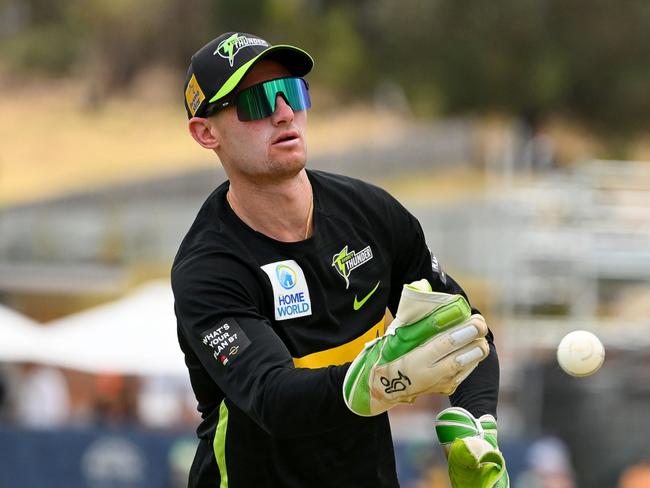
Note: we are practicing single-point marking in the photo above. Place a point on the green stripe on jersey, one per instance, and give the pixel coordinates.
(219, 444)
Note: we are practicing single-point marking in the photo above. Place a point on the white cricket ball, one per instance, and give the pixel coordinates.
(580, 353)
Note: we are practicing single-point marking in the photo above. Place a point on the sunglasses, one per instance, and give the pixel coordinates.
(258, 101)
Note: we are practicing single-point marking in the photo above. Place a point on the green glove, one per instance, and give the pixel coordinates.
(472, 452)
(433, 344)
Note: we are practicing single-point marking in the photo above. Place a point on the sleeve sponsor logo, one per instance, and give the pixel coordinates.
(290, 291)
(437, 268)
(344, 262)
(226, 340)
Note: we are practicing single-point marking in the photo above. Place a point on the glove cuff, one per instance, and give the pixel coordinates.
(471, 448)
(456, 423)
(489, 425)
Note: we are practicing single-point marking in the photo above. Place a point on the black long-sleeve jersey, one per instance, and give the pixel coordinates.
(268, 330)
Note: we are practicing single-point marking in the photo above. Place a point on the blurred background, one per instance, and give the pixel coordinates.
(517, 131)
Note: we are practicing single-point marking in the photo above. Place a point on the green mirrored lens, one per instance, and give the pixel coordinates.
(258, 101)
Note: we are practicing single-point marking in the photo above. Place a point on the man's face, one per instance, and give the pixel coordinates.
(269, 149)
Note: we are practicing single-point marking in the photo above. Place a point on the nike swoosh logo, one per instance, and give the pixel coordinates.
(359, 303)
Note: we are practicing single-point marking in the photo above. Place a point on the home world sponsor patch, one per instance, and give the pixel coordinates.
(290, 292)
(227, 340)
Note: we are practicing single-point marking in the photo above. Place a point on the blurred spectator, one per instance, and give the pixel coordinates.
(115, 398)
(548, 466)
(166, 402)
(42, 399)
(636, 476)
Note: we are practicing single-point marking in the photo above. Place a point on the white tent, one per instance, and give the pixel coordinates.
(134, 335)
(19, 336)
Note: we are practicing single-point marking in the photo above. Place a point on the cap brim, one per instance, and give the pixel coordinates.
(297, 61)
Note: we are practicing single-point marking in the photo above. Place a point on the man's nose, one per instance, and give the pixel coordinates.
(283, 112)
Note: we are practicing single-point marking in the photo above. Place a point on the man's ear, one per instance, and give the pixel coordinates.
(204, 132)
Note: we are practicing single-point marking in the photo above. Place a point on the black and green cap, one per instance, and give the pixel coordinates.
(217, 68)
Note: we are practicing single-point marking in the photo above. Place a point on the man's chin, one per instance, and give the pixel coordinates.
(291, 164)
(289, 169)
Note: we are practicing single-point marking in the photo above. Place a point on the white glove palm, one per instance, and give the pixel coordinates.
(433, 344)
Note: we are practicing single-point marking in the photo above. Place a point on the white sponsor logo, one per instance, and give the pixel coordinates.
(290, 292)
(229, 48)
(220, 338)
(344, 262)
(435, 265)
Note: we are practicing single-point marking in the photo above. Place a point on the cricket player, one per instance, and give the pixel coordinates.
(282, 286)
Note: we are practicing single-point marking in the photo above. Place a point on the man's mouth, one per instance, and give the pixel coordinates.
(285, 137)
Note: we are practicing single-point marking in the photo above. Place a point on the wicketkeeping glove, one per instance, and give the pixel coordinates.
(433, 344)
(471, 447)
